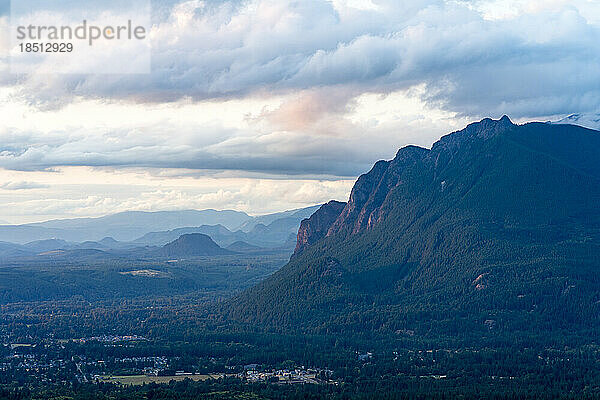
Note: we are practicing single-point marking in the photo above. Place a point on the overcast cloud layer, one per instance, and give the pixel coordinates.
(310, 90)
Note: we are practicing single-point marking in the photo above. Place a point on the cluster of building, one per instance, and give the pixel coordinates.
(30, 363)
(42, 362)
(18, 366)
(37, 362)
(284, 376)
(111, 339)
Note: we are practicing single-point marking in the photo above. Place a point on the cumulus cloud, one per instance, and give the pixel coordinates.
(540, 59)
(309, 65)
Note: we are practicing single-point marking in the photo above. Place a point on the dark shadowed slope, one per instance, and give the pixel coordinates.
(497, 226)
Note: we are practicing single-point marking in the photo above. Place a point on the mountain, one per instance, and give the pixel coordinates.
(110, 242)
(276, 234)
(106, 243)
(591, 121)
(125, 226)
(192, 245)
(49, 245)
(165, 219)
(162, 227)
(218, 233)
(315, 228)
(22, 234)
(9, 250)
(243, 247)
(297, 214)
(497, 226)
(46, 245)
(273, 230)
(279, 234)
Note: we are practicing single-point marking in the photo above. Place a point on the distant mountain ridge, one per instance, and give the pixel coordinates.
(130, 226)
(280, 228)
(497, 222)
(243, 247)
(297, 214)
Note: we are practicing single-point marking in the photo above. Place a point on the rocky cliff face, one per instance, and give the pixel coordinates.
(366, 206)
(315, 228)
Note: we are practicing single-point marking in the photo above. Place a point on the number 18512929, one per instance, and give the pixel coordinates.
(46, 47)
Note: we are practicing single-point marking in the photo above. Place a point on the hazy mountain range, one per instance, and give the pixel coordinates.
(185, 247)
(134, 230)
(133, 225)
(125, 226)
(266, 231)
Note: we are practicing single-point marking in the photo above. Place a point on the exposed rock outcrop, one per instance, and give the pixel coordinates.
(314, 228)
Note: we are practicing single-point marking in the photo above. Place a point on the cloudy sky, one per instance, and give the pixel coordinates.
(266, 105)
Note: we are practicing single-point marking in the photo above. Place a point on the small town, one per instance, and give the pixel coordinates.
(50, 362)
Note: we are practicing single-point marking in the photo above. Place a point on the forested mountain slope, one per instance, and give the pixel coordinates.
(496, 227)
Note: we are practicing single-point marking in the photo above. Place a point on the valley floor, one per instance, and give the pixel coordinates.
(170, 348)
